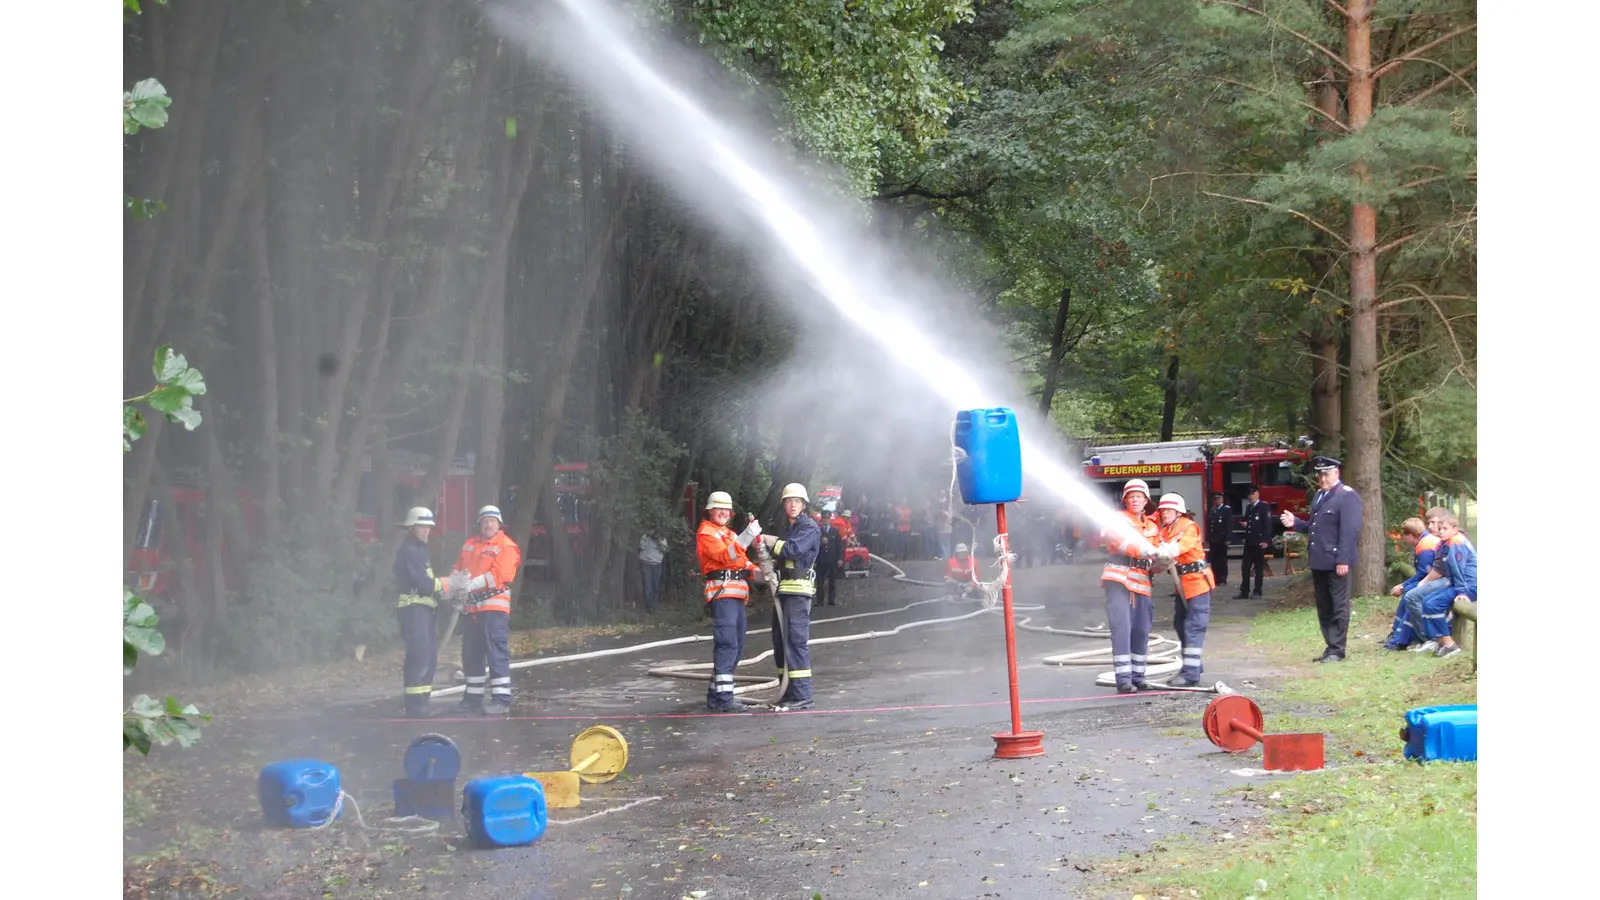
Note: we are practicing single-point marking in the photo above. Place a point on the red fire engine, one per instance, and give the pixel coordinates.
(1198, 468)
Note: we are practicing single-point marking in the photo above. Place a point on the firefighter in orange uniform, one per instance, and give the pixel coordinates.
(728, 573)
(1126, 580)
(1180, 542)
(847, 529)
(489, 562)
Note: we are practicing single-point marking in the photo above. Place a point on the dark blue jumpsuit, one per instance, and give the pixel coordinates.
(794, 556)
(414, 575)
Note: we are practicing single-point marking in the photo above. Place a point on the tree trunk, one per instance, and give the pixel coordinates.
(1326, 390)
(492, 400)
(1058, 352)
(386, 371)
(398, 159)
(538, 479)
(1365, 451)
(266, 369)
(1169, 405)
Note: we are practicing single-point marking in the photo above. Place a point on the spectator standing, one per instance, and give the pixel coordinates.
(652, 551)
(1219, 531)
(829, 557)
(1257, 538)
(1333, 527)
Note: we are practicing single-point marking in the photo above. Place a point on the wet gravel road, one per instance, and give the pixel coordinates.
(888, 787)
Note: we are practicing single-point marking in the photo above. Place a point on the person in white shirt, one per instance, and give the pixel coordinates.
(652, 550)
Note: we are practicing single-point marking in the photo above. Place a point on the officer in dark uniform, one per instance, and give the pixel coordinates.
(829, 558)
(1257, 538)
(1219, 530)
(1334, 526)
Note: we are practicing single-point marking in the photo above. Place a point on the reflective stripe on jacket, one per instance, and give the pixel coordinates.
(500, 559)
(718, 550)
(1191, 550)
(1137, 581)
(794, 555)
(413, 574)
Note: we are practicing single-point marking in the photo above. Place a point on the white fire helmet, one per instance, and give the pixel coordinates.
(961, 548)
(1136, 484)
(719, 500)
(491, 511)
(418, 515)
(1172, 501)
(795, 489)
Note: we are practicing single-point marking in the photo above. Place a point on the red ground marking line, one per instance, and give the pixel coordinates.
(601, 717)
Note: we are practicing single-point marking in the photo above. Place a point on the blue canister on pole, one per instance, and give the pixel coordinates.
(989, 466)
(504, 810)
(299, 793)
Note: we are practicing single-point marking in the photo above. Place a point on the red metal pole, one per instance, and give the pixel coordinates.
(1011, 627)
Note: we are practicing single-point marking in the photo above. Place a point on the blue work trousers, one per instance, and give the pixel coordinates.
(1428, 607)
(727, 634)
(486, 655)
(1189, 620)
(1129, 616)
(791, 647)
(421, 641)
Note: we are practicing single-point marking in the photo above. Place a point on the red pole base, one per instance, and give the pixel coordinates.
(1020, 745)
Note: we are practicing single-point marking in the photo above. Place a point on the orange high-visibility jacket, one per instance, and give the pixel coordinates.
(719, 551)
(1136, 580)
(1187, 534)
(959, 569)
(497, 556)
(846, 530)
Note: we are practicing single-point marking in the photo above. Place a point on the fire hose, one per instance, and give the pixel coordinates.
(1163, 652)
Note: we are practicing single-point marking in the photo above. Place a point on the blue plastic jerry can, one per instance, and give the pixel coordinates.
(504, 810)
(989, 469)
(299, 793)
(1442, 734)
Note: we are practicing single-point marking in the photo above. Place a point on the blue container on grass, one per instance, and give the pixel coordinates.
(504, 810)
(299, 793)
(990, 471)
(1442, 734)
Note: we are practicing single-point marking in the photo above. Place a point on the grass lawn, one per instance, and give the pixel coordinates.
(1370, 825)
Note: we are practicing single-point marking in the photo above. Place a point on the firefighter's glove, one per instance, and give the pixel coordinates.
(750, 533)
(1168, 551)
(486, 580)
(456, 586)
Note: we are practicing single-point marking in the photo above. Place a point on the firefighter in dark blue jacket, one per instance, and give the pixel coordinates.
(1334, 526)
(413, 573)
(794, 555)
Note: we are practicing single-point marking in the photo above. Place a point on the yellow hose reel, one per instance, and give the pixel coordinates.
(599, 754)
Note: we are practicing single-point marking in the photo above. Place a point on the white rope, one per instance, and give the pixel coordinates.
(700, 671)
(400, 824)
(604, 812)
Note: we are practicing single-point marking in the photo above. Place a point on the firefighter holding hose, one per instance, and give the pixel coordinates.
(489, 562)
(728, 572)
(413, 574)
(1180, 542)
(794, 554)
(1126, 580)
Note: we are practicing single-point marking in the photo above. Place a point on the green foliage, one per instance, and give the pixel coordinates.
(145, 106)
(143, 208)
(301, 603)
(173, 396)
(863, 81)
(139, 633)
(148, 720)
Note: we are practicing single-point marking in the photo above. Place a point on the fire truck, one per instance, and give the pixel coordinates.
(1195, 469)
